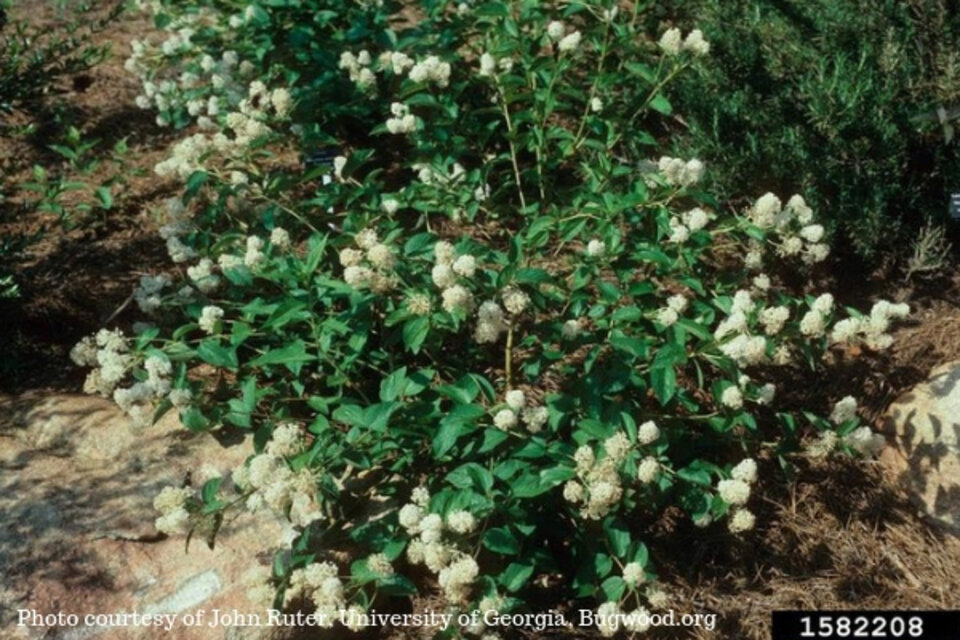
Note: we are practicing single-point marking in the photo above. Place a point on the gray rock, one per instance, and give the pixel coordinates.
(924, 425)
(76, 523)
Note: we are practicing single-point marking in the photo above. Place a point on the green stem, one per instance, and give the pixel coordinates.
(508, 358)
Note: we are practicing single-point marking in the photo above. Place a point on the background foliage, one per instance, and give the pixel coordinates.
(836, 100)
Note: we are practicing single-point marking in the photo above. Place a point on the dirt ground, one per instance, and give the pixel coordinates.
(840, 536)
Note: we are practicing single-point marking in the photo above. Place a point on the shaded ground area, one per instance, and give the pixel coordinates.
(840, 536)
(71, 282)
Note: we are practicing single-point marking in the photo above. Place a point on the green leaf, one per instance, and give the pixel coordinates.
(414, 333)
(194, 420)
(603, 564)
(492, 438)
(458, 423)
(528, 486)
(661, 104)
(663, 379)
(501, 540)
(393, 386)
(618, 535)
(210, 489)
(613, 588)
(695, 475)
(550, 478)
(515, 576)
(105, 197)
(532, 276)
(627, 314)
(396, 585)
(212, 352)
(196, 180)
(292, 355)
(471, 476)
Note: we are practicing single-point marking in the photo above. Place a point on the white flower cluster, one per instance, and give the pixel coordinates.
(174, 518)
(456, 570)
(433, 177)
(648, 470)
(672, 42)
(397, 61)
(844, 410)
(370, 265)
(534, 417)
(824, 445)
(633, 574)
(610, 619)
(744, 348)
(186, 158)
(872, 329)
(379, 564)
(863, 440)
(676, 305)
(447, 269)
(735, 491)
(689, 222)
(258, 584)
(596, 248)
(598, 488)
(402, 121)
(247, 125)
(108, 353)
(680, 173)
(431, 69)
(320, 583)
(489, 65)
(275, 485)
(571, 329)
(209, 316)
(147, 293)
(203, 87)
(566, 42)
(203, 277)
(178, 225)
(358, 66)
(793, 223)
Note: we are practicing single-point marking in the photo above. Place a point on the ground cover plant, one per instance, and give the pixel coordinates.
(490, 339)
(39, 63)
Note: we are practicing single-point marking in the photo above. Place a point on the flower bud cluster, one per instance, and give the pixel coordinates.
(456, 571)
(673, 43)
(517, 409)
(271, 482)
(792, 226)
(680, 173)
(870, 330)
(735, 491)
(448, 268)
(320, 583)
(371, 265)
(173, 503)
(358, 67)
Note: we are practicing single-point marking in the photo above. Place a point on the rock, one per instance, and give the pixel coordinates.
(924, 425)
(77, 534)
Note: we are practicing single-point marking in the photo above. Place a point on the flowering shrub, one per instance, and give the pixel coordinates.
(486, 351)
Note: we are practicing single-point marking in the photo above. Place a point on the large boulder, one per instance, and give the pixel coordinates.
(77, 534)
(924, 425)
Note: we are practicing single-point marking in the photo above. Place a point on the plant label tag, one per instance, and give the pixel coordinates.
(955, 206)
